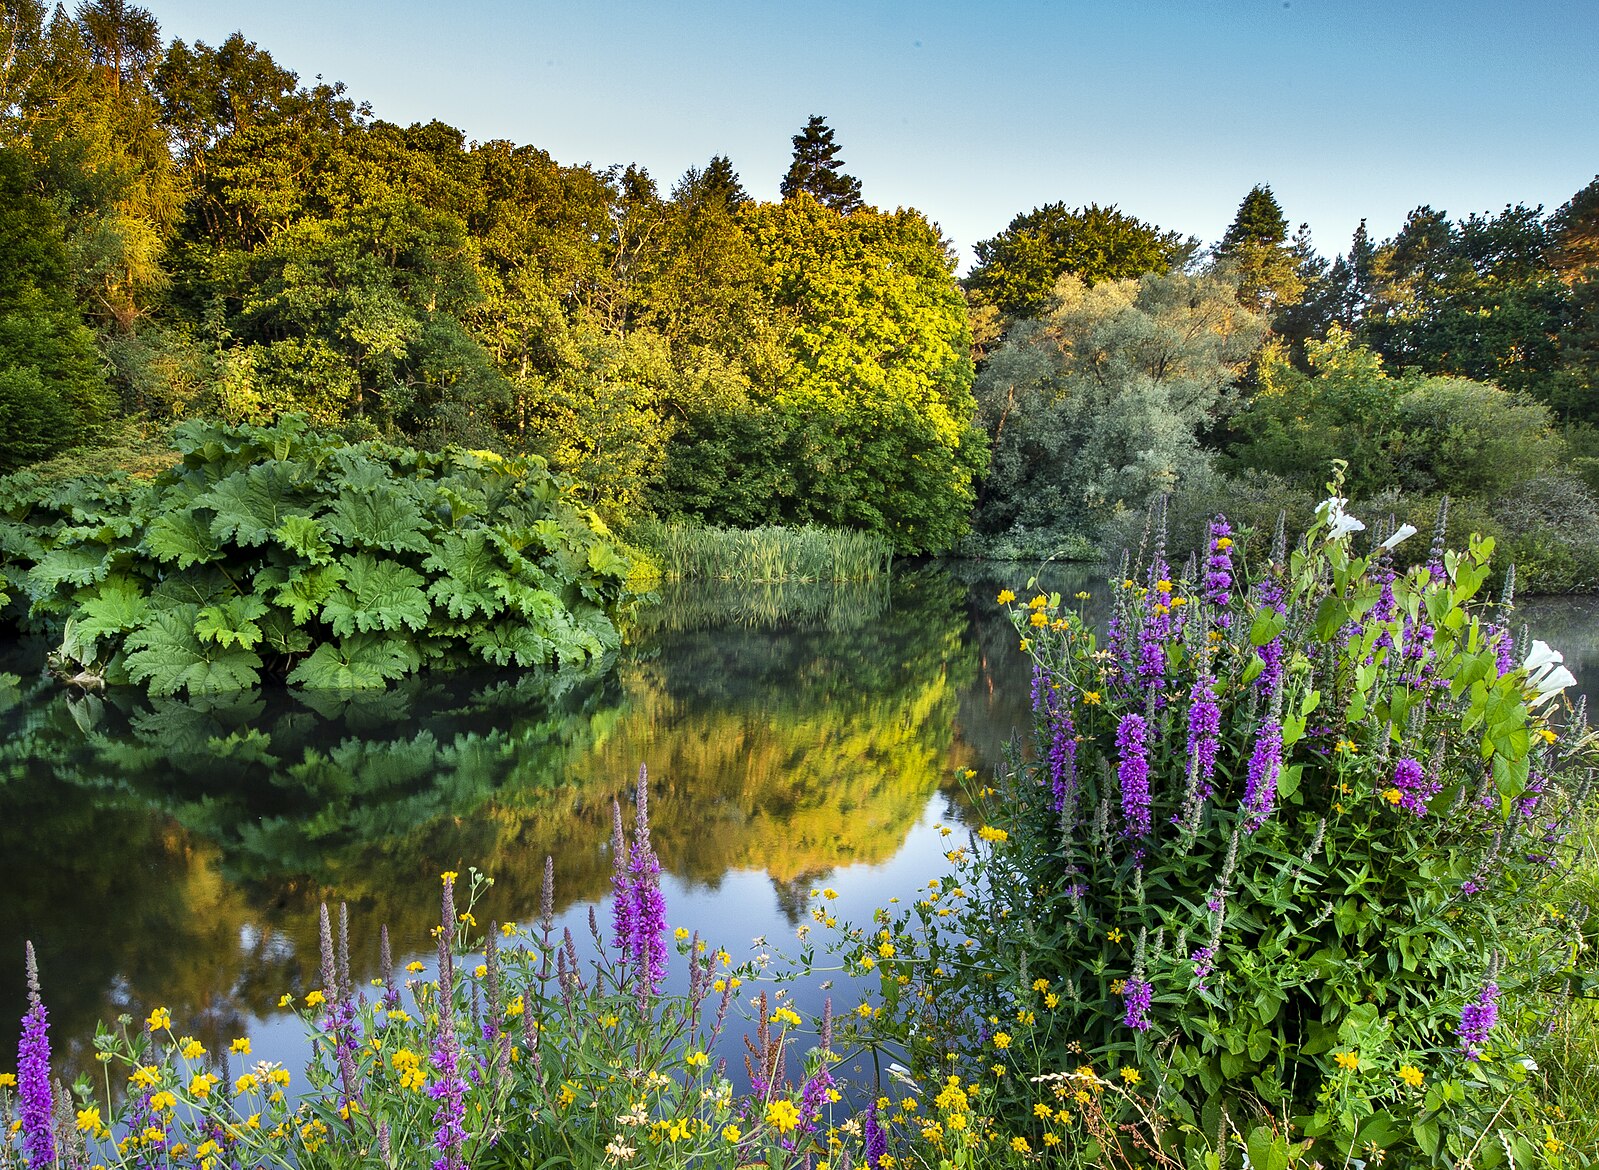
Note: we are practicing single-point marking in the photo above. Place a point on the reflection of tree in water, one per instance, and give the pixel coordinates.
(178, 849)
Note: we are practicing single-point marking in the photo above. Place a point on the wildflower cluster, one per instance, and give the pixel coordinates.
(523, 1049)
(1310, 807)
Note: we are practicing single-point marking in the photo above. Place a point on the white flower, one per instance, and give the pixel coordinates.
(1403, 532)
(1540, 657)
(1551, 684)
(1338, 524)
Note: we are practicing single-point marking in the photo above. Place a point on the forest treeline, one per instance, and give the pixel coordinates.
(191, 230)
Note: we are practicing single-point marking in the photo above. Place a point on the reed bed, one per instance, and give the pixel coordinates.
(767, 556)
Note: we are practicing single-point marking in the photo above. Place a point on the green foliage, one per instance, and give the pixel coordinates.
(1099, 404)
(878, 389)
(346, 565)
(1016, 271)
(1305, 925)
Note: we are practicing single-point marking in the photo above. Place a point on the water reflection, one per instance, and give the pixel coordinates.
(175, 851)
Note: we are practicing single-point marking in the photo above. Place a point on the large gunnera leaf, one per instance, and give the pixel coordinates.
(376, 595)
(383, 519)
(183, 537)
(166, 653)
(470, 565)
(252, 505)
(117, 606)
(359, 662)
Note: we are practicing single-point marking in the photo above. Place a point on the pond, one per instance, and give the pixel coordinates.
(175, 853)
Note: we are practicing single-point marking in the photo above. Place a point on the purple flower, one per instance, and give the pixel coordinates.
(1219, 569)
(876, 1139)
(1415, 789)
(1062, 752)
(638, 910)
(448, 1089)
(1204, 733)
(1270, 680)
(1260, 789)
(1136, 997)
(1477, 1019)
(36, 1099)
(1133, 772)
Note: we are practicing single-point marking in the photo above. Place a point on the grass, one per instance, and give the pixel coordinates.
(766, 556)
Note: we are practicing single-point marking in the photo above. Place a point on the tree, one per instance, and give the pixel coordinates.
(818, 171)
(1016, 270)
(52, 394)
(1574, 231)
(716, 186)
(1098, 404)
(877, 390)
(1255, 250)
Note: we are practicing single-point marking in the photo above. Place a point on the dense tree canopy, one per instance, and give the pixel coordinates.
(1016, 271)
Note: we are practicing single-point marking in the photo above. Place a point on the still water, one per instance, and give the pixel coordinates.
(175, 852)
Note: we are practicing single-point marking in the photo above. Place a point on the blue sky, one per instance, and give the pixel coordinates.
(973, 112)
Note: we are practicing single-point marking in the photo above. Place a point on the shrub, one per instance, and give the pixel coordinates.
(338, 565)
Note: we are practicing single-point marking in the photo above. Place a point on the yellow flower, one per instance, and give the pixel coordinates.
(1091, 698)
(240, 1047)
(279, 1076)
(1347, 1060)
(681, 934)
(1040, 984)
(1117, 986)
(1115, 935)
(144, 1077)
(1393, 795)
(1131, 1076)
(163, 1100)
(248, 1083)
(200, 1085)
(190, 1048)
(787, 1016)
(1548, 736)
(285, 1000)
(886, 950)
(990, 833)
(507, 929)
(415, 967)
(1346, 747)
(8, 1080)
(1005, 597)
(159, 1019)
(315, 998)
(1411, 1075)
(1001, 1039)
(1038, 602)
(1019, 1144)
(481, 970)
(731, 1133)
(1224, 542)
(696, 1060)
(448, 876)
(1039, 619)
(88, 1120)
(782, 1115)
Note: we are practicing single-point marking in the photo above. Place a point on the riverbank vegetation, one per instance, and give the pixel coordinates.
(1296, 870)
(766, 556)
(191, 231)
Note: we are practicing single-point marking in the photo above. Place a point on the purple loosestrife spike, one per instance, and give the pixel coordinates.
(1133, 772)
(1062, 753)
(1415, 789)
(1477, 1019)
(1204, 735)
(876, 1139)
(391, 991)
(547, 895)
(35, 1096)
(1260, 789)
(1219, 570)
(1435, 555)
(346, 985)
(1136, 998)
(621, 886)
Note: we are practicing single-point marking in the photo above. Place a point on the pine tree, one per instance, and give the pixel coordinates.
(818, 169)
(1255, 249)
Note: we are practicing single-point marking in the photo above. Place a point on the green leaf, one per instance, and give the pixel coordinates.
(470, 567)
(1267, 625)
(303, 535)
(506, 641)
(233, 623)
(75, 565)
(385, 520)
(307, 590)
(166, 653)
(181, 537)
(116, 607)
(251, 505)
(376, 595)
(280, 635)
(360, 662)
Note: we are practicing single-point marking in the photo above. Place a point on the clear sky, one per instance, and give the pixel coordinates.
(975, 111)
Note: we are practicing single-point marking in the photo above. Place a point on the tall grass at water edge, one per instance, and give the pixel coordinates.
(766, 555)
